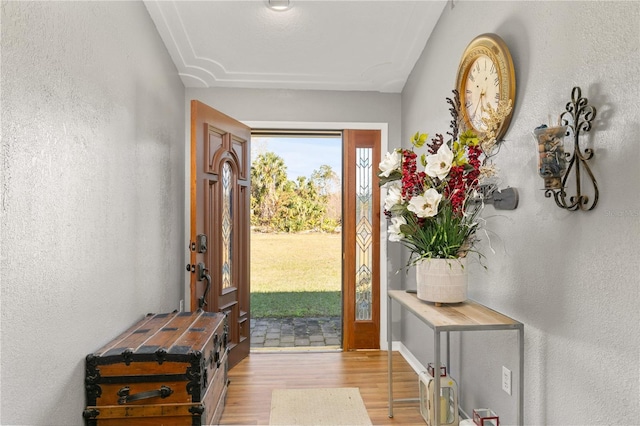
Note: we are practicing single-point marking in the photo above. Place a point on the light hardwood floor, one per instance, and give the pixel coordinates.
(254, 378)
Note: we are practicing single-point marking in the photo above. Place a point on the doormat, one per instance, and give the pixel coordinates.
(325, 406)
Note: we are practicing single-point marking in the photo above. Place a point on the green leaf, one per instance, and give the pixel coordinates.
(469, 138)
(398, 209)
(406, 229)
(393, 176)
(419, 139)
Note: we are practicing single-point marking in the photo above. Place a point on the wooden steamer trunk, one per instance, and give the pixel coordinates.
(168, 369)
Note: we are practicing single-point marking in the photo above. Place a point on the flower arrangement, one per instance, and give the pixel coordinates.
(432, 201)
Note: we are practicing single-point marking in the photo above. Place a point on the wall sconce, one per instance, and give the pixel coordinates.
(501, 199)
(556, 166)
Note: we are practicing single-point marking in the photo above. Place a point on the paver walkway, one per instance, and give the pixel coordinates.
(296, 332)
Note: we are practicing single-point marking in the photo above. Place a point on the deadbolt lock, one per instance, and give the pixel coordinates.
(201, 243)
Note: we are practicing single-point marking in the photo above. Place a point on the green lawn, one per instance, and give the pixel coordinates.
(295, 275)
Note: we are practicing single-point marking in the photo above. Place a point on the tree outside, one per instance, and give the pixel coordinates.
(281, 205)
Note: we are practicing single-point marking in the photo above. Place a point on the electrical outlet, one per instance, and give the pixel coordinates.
(182, 305)
(506, 380)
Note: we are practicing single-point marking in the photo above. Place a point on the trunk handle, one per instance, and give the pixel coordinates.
(123, 393)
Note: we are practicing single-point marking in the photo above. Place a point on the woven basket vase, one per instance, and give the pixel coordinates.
(442, 280)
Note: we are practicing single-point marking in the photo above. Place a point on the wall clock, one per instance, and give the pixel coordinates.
(485, 77)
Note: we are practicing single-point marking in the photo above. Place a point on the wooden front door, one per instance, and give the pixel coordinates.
(219, 237)
(361, 240)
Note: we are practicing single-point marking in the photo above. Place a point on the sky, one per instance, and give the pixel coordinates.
(301, 155)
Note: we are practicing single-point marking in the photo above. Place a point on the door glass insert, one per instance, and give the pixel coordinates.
(227, 225)
(364, 249)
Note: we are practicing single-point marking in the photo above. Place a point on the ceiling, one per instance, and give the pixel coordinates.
(321, 45)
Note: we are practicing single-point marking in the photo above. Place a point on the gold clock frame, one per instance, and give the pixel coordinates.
(492, 46)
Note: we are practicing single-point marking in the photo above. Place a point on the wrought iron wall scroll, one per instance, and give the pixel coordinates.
(578, 117)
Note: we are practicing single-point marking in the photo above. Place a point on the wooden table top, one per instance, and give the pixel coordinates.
(468, 315)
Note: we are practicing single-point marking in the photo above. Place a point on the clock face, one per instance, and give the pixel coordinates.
(482, 88)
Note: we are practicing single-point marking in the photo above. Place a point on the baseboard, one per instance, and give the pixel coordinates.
(415, 364)
(408, 356)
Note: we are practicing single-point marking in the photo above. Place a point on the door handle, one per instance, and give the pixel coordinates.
(203, 274)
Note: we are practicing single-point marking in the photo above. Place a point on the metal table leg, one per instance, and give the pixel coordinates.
(521, 376)
(448, 359)
(389, 356)
(436, 379)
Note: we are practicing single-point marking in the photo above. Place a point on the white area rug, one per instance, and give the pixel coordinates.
(326, 406)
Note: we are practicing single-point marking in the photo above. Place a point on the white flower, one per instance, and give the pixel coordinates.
(394, 229)
(425, 205)
(391, 162)
(394, 195)
(439, 164)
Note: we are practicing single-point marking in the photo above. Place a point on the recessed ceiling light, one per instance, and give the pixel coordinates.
(278, 5)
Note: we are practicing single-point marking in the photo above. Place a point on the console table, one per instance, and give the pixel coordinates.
(465, 316)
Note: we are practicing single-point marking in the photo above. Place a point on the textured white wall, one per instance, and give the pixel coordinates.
(304, 105)
(570, 277)
(92, 193)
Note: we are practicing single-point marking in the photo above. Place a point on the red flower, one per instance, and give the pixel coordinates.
(411, 180)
